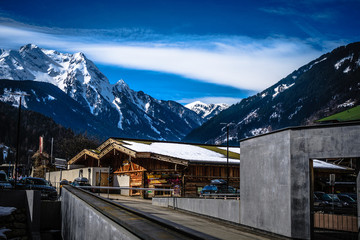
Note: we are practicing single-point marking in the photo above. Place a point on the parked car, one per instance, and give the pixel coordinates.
(217, 189)
(64, 182)
(327, 198)
(352, 195)
(47, 191)
(4, 181)
(337, 201)
(218, 182)
(346, 198)
(320, 203)
(82, 182)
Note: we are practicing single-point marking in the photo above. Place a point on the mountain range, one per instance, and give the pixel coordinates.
(70, 89)
(206, 111)
(326, 85)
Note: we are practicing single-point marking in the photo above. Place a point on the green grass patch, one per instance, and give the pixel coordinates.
(137, 141)
(351, 114)
(95, 151)
(221, 151)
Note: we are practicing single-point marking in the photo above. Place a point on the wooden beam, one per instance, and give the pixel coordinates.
(143, 155)
(106, 143)
(83, 153)
(164, 158)
(130, 171)
(214, 177)
(164, 170)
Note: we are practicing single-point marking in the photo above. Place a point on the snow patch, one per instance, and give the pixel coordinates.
(258, 131)
(249, 117)
(51, 98)
(341, 62)
(294, 113)
(8, 97)
(274, 115)
(2, 232)
(281, 88)
(316, 63)
(147, 105)
(155, 130)
(5, 211)
(348, 103)
(232, 149)
(116, 102)
(348, 69)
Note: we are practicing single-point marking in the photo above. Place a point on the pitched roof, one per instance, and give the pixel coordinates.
(190, 152)
(181, 153)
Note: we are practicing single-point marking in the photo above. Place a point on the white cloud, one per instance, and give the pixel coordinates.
(239, 62)
(227, 100)
(252, 68)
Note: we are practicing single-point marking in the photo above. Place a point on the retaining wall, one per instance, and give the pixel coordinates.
(228, 210)
(81, 221)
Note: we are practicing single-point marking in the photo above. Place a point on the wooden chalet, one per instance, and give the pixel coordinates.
(152, 164)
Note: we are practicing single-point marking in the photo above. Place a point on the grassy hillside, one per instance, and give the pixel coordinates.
(352, 114)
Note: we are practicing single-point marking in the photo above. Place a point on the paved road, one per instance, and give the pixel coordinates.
(212, 227)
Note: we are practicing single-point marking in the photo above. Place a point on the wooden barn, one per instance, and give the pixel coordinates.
(153, 164)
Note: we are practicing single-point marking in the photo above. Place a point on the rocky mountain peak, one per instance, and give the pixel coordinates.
(206, 111)
(29, 47)
(116, 107)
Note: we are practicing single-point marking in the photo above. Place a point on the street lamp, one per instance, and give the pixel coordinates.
(21, 94)
(227, 153)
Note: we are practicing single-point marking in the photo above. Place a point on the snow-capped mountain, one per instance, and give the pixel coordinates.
(322, 87)
(206, 111)
(125, 112)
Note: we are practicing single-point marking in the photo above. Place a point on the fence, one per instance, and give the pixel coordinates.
(335, 222)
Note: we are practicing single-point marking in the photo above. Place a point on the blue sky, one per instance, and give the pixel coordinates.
(213, 51)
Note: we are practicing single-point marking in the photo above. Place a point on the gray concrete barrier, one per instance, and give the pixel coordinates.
(228, 210)
(81, 221)
(28, 200)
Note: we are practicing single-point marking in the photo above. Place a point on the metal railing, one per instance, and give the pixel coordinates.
(221, 196)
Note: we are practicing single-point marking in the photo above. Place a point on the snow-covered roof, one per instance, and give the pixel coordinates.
(324, 165)
(193, 153)
(232, 149)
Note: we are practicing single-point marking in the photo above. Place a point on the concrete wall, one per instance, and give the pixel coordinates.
(28, 199)
(122, 181)
(228, 210)
(81, 221)
(265, 183)
(275, 175)
(71, 174)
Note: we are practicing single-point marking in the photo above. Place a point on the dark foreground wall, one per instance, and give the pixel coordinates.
(275, 175)
(81, 221)
(28, 200)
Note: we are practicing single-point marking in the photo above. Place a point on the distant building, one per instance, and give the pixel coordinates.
(153, 164)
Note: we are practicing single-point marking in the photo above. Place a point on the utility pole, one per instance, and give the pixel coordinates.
(18, 135)
(51, 157)
(227, 154)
